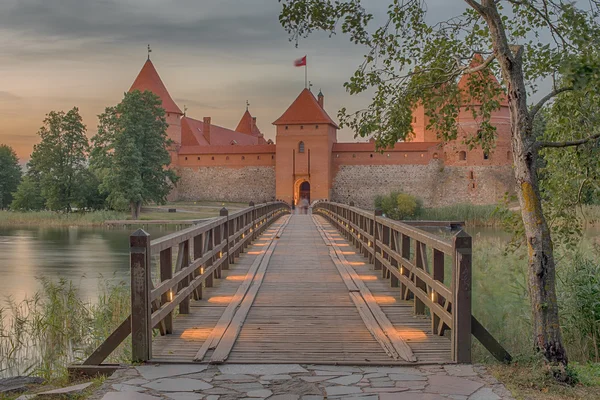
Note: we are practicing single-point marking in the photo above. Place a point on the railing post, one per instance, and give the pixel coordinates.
(377, 264)
(461, 291)
(198, 253)
(437, 325)
(166, 273)
(141, 317)
(225, 213)
(253, 218)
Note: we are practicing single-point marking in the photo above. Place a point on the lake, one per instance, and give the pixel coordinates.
(83, 255)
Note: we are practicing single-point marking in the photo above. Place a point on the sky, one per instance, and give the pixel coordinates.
(212, 55)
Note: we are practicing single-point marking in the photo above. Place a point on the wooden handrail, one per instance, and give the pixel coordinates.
(213, 246)
(414, 260)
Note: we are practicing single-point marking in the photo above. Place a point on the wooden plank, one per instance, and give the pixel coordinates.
(399, 344)
(166, 273)
(231, 333)
(110, 344)
(489, 342)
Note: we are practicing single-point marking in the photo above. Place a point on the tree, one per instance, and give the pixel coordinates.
(28, 196)
(130, 152)
(10, 174)
(414, 59)
(60, 159)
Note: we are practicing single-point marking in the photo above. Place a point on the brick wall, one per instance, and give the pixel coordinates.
(227, 184)
(434, 183)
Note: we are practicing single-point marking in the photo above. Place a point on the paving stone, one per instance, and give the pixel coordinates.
(243, 387)
(484, 394)
(263, 393)
(315, 378)
(375, 375)
(312, 397)
(219, 391)
(275, 377)
(185, 396)
(212, 397)
(234, 378)
(342, 390)
(362, 384)
(346, 380)
(136, 381)
(410, 396)
(121, 387)
(407, 377)
(457, 397)
(164, 371)
(362, 397)
(177, 385)
(335, 368)
(385, 390)
(331, 373)
(128, 396)
(412, 385)
(284, 397)
(26, 396)
(443, 384)
(18, 384)
(382, 379)
(383, 384)
(460, 370)
(392, 370)
(261, 369)
(66, 390)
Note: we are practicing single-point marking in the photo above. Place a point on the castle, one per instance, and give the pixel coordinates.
(307, 161)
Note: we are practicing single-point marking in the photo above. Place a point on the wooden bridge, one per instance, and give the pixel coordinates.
(339, 286)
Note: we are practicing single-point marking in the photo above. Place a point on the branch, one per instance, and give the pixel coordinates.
(476, 6)
(482, 66)
(536, 108)
(568, 143)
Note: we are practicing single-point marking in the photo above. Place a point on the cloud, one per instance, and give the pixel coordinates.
(7, 96)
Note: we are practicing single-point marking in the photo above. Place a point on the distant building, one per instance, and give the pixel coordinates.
(307, 161)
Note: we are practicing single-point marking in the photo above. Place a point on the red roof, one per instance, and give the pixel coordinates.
(253, 149)
(247, 125)
(370, 147)
(463, 83)
(148, 79)
(194, 133)
(305, 110)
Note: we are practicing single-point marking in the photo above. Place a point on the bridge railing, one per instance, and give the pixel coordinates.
(415, 261)
(202, 252)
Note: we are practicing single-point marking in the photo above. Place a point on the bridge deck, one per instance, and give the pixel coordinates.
(303, 312)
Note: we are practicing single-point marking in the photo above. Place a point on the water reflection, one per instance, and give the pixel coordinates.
(79, 254)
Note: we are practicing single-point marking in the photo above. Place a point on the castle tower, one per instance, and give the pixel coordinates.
(248, 126)
(148, 79)
(305, 138)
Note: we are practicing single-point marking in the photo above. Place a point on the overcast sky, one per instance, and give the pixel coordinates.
(212, 55)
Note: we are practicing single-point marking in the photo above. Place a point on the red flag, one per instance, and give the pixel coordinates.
(300, 62)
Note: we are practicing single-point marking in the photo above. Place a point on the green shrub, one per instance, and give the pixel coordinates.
(398, 205)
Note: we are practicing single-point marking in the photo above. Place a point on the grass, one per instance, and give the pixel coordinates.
(473, 215)
(528, 381)
(51, 218)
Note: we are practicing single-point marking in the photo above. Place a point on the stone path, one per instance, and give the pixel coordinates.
(301, 382)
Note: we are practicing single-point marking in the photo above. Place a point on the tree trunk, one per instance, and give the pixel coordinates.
(135, 208)
(541, 272)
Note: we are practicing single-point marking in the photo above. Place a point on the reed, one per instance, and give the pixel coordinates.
(51, 218)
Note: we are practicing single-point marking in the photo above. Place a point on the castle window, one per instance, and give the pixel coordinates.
(212, 158)
(301, 147)
(286, 127)
(243, 157)
(301, 126)
(473, 185)
(435, 155)
(316, 126)
(186, 159)
(198, 158)
(258, 157)
(471, 175)
(486, 155)
(405, 155)
(388, 154)
(371, 155)
(422, 155)
(272, 157)
(508, 155)
(353, 155)
(462, 155)
(227, 158)
(337, 156)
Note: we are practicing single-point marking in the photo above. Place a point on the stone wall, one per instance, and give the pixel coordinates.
(434, 183)
(227, 184)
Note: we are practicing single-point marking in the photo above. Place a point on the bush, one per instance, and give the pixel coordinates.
(398, 205)
(28, 196)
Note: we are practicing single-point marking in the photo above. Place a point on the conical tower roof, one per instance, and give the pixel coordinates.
(305, 110)
(247, 126)
(148, 79)
(464, 82)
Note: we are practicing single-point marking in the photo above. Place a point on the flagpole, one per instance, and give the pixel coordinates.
(305, 73)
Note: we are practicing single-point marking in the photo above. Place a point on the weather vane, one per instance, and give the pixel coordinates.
(247, 105)
(184, 110)
(149, 51)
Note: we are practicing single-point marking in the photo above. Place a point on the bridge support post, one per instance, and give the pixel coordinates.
(377, 264)
(225, 213)
(141, 317)
(461, 305)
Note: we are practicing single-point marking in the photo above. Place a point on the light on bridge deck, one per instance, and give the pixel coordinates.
(220, 299)
(196, 333)
(410, 334)
(254, 253)
(356, 263)
(385, 299)
(236, 277)
(368, 277)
